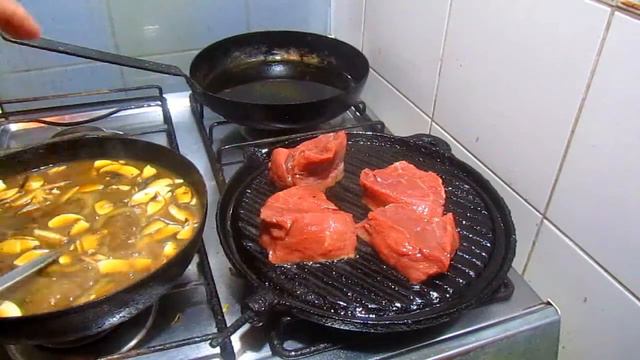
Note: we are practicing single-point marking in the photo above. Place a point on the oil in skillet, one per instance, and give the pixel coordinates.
(279, 91)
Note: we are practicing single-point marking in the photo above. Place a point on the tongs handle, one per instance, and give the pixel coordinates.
(29, 268)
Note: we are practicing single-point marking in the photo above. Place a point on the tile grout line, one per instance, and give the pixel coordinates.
(386, 82)
(90, 62)
(402, 96)
(572, 130)
(503, 182)
(170, 52)
(543, 219)
(247, 10)
(440, 63)
(542, 216)
(53, 67)
(364, 18)
(112, 32)
(584, 253)
(329, 23)
(489, 170)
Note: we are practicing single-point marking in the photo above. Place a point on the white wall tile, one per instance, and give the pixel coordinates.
(525, 218)
(511, 83)
(400, 116)
(151, 27)
(346, 21)
(77, 22)
(403, 41)
(599, 320)
(308, 15)
(60, 80)
(133, 77)
(597, 199)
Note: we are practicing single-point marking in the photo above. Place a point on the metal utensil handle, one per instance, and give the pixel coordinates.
(27, 269)
(258, 304)
(99, 55)
(245, 318)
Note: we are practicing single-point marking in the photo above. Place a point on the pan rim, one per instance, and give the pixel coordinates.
(97, 302)
(383, 323)
(198, 58)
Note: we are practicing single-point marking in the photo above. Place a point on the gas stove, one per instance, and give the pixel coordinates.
(210, 295)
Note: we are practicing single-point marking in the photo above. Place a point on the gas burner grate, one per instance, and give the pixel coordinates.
(28, 121)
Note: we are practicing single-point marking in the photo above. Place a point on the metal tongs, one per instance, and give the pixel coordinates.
(32, 266)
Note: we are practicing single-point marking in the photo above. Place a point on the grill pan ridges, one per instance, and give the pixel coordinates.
(364, 290)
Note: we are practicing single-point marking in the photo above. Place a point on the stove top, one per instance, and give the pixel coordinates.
(210, 295)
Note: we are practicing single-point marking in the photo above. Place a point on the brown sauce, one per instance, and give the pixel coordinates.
(120, 220)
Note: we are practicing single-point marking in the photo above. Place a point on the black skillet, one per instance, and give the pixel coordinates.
(364, 294)
(262, 80)
(93, 317)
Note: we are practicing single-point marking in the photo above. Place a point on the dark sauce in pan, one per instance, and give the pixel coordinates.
(279, 82)
(280, 91)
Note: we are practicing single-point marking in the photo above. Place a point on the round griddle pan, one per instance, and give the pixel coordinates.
(363, 293)
(95, 316)
(262, 80)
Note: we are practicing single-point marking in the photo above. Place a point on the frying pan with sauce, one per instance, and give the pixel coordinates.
(262, 80)
(123, 218)
(134, 213)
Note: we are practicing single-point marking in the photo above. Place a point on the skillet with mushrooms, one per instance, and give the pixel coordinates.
(120, 219)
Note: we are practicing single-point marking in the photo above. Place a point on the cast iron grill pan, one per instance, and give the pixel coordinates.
(363, 293)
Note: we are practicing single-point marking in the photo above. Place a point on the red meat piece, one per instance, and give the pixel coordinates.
(318, 162)
(299, 224)
(403, 183)
(415, 245)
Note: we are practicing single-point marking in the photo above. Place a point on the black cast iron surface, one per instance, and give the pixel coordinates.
(363, 293)
(291, 58)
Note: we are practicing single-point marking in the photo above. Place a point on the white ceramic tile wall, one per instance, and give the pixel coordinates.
(511, 82)
(525, 217)
(400, 115)
(599, 319)
(77, 22)
(158, 29)
(403, 41)
(515, 81)
(403, 118)
(347, 19)
(308, 15)
(602, 168)
(60, 80)
(170, 26)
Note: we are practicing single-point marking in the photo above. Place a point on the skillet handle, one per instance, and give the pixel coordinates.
(259, 303)
(225, 334)
(98, 55)
(278, 337)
